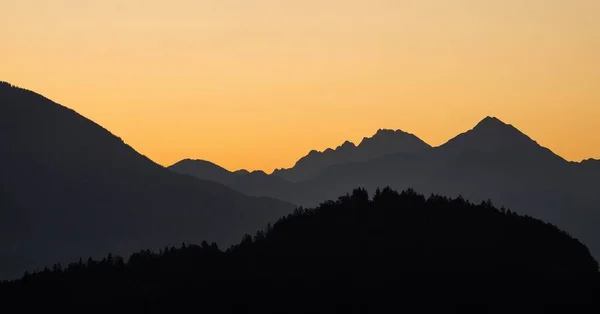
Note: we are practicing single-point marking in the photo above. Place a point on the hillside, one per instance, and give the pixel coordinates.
(70, 188)
(449, 253)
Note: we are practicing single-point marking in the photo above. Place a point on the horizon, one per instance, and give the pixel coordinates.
(335, 146)
(357, 144)
(154, 149)
(219, 80)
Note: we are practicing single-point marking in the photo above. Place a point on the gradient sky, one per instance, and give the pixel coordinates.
(257, 84)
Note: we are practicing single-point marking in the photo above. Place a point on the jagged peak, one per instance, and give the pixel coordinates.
(5, 84)
(492, 126)
(313, 152)
(346, 144)
(381, 133)
(491, 122)
(258, 172)
(388, 133)
(590, 161)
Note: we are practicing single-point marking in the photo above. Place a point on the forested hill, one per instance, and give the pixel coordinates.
(448, 251)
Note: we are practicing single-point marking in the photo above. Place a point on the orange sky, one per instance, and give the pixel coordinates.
(257, 84)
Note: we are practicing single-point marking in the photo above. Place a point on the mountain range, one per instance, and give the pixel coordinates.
(493, 160)
(70, 189)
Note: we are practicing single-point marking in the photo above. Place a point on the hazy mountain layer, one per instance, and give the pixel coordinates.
(493, 160)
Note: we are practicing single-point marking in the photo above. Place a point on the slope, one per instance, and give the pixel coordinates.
(71, 189)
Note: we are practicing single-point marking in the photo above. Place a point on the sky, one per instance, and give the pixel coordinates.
(258, 84)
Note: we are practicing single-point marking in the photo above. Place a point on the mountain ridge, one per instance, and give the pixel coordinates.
(75, 169)
(383, 142)
(491, 160)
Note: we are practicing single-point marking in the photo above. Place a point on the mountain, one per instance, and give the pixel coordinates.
(493, 160)
(507, 153)
(256, 183)
(204, 169)
(462, 255)
(591, 164)
(384, 142)
(492, 136)
(289, 184)
(71, 189)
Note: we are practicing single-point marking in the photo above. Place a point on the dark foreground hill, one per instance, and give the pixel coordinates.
(70, 188)
(392, 252)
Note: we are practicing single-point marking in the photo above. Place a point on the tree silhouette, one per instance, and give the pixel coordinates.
(446, 251)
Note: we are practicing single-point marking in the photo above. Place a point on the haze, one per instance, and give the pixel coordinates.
(270, 80)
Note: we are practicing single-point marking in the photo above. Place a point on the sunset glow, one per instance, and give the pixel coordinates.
(257, 84)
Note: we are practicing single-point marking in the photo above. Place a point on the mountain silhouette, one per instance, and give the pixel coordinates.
(206, 170)
(71, 189)
(256, 183)
(287, 184)
(591, 164)
(384, 142)
(492, 160)
(492, 136)
(445, 255)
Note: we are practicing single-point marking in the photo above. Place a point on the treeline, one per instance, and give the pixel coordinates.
(344, 255)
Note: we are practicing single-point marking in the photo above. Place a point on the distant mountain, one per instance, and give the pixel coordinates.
(491, 135)
(414, 247)
(384, 142)
(256, 183)
(71, 189)
(591, 164)
(205, 170)
(287, 184)
(507, 152)
(492, 160)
